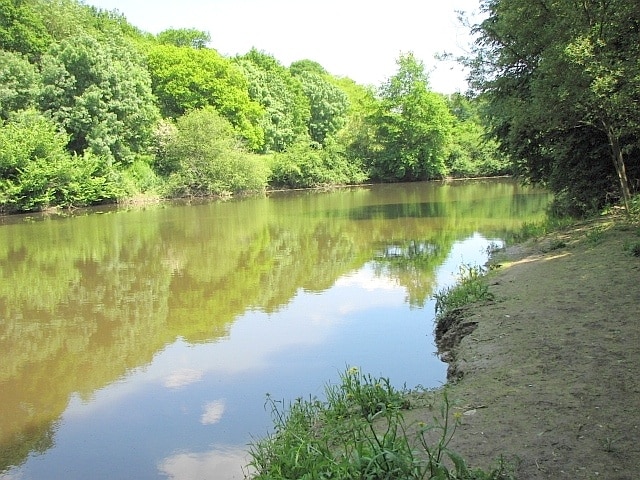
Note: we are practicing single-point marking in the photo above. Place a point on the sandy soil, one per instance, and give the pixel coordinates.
(548, 374)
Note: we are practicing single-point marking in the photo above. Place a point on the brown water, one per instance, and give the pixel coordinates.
(141, 343)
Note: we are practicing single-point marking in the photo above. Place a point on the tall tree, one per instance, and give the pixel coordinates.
(329, 105)
(100, 93)
(19, 83)
(185, 78)
(281, 95)
(413, 127)
(560, 75)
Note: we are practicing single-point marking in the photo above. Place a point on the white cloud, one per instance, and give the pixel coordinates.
(222, 462)
(213, 412)
(182, 378)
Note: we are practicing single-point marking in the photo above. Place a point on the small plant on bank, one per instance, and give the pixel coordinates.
(633, 248)
(595, 235)
(470, 288)
(359, 432)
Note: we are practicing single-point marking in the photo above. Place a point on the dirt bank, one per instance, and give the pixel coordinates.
(550, 376)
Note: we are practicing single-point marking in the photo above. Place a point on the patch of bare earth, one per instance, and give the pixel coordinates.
(548, 374)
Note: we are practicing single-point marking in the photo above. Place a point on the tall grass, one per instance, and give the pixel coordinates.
(470, 287)
(359, 432)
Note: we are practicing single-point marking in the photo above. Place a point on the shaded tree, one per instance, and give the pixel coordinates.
(557, 76)
(19, 83)
(100, 93)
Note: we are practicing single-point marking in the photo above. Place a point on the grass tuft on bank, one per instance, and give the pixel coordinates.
(359, 432)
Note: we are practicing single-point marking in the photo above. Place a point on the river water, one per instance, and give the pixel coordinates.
(141, 343)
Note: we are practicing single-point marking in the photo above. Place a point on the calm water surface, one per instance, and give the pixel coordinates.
(141, 344)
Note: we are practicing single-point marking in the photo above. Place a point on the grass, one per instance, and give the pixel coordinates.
(471, 287)
(359, 432)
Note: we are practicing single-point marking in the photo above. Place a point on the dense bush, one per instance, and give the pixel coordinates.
(307, 164)
(36, 171)
(204, 158)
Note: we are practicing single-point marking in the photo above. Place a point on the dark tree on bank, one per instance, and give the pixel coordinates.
(562, 81)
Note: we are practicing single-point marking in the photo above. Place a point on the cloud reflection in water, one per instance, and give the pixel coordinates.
(222, 462)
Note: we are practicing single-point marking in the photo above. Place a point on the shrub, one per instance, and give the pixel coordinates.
(307, 164)
(205, 158)
(470, 288)
(37, 172)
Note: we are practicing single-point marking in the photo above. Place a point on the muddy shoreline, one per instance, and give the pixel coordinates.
(553, 359)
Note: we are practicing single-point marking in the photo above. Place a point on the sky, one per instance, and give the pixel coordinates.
(359, 39)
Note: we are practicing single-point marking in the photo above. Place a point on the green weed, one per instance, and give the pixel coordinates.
(530, 230)
(595, 235)
(359, 432)
(633, 248)
(470, 288)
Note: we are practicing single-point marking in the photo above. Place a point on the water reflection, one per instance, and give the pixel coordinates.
(129, 335)
(227, 462)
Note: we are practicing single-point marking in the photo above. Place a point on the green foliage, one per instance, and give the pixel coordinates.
(470, 287)
(281, 95)
(186, 78)
(633, 248)
(471, 153)
(19, 83)
(22, 29)
(307, 164)
(413, 127)
(100, 93)
(359, 432)
(36, 172)
(328, 105)
(184, 37)
(204, 158)
(561, 84)
(301, 67)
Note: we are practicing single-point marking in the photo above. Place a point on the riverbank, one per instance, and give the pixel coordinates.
(548, 378)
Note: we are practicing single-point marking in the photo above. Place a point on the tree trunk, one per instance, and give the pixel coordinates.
(618, 161)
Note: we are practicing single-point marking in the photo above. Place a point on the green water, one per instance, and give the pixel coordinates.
(140, 343)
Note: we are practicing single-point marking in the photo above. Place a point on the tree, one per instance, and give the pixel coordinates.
(22, 29)
(328, 103)
(19, 83)
(37, 172)
(307, 66)
(100, 93)
(472, 151)
(281, 95)
(185, 79)
(184, 37)
(559, 76)
(413, 126)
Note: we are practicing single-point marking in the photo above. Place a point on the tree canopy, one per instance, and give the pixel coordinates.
(123, 112)
(562, 85)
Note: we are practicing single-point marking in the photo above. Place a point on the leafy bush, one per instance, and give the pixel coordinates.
(306, 164)
(470, 288)
(205, 158)
(37, 172)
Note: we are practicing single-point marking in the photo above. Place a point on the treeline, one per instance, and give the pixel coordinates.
(94, 110)
(561, 85)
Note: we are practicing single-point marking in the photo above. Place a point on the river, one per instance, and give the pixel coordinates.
(140, 343)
